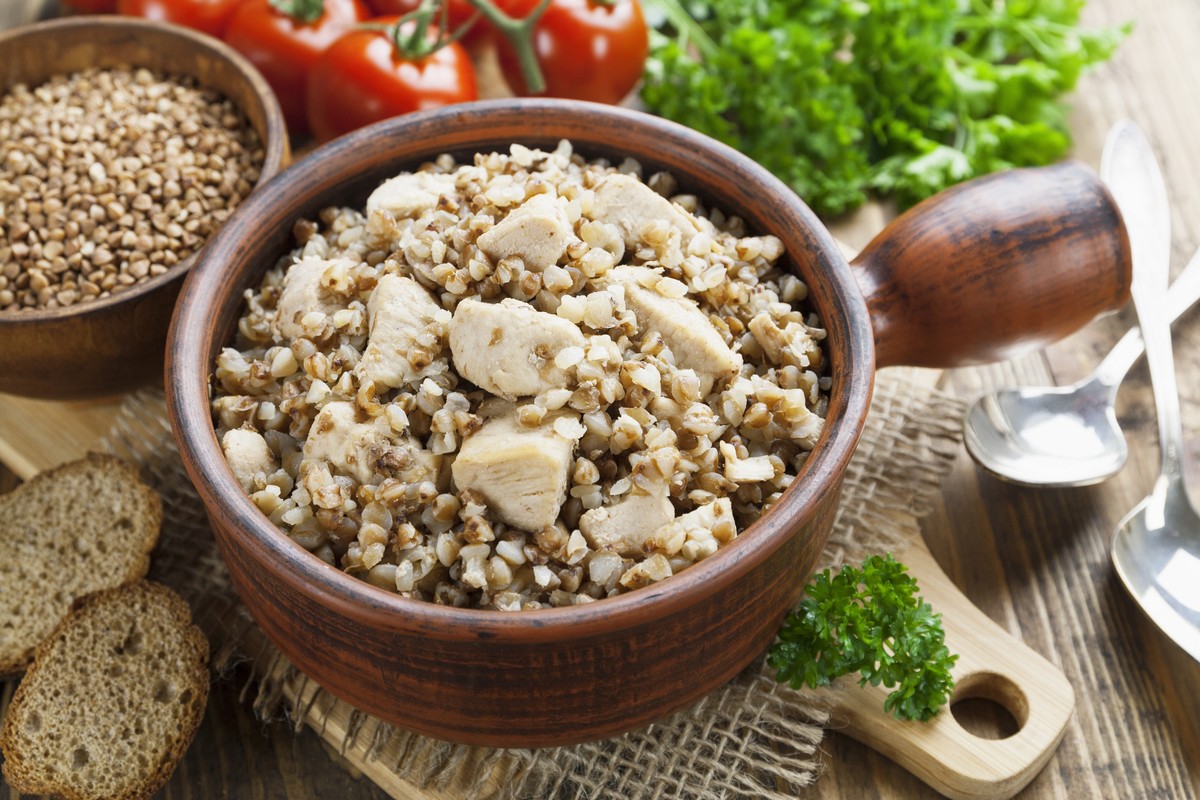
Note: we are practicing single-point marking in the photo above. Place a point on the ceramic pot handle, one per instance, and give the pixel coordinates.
(995, 267)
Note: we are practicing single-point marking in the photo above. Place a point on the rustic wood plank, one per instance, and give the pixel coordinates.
(1034, 561)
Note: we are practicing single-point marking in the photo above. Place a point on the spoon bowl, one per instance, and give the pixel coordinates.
(1065, 435)
(1156, 553)
(1047, 435)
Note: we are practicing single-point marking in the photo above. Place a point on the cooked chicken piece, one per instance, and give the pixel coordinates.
(684, 327)
(400, 311)
(537, 231)
(521, 472)
(248, 455)
(510, 348)
(746, 470)
(626, 525)
(302, 293)
(716, 516)
(360, 449)
(626, 202)
(409, 195)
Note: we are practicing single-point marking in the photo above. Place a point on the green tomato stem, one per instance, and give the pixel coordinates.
(519, 33)
(687, 28)
(302, 10)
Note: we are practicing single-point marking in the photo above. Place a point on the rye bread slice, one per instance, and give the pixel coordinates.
(76, 529)
(112, 700)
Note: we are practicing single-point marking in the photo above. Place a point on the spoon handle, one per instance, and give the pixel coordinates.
(1183, 294)
(1132, 172)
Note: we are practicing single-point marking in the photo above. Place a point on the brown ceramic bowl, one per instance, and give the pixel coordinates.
(109, 345)
(1023, 257)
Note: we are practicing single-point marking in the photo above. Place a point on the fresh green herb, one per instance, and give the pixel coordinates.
(868, 620)
(899, 97)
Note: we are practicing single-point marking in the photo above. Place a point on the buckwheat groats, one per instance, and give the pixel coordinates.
(530, 380)
(109, 177)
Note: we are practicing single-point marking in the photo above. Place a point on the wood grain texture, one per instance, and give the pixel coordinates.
(995, 267)
(1034, 561)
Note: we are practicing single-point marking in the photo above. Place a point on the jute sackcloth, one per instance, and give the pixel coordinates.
(752, 738)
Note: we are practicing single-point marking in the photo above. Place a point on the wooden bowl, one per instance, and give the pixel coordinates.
(1022, 257)
(113, 344)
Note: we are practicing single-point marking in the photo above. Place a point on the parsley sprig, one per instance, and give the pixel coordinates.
(868, 620)
(902, 98)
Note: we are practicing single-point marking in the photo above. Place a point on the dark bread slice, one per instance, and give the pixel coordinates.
(76, 529)
(112, 699)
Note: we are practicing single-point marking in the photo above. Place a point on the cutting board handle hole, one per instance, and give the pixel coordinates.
(989, 705)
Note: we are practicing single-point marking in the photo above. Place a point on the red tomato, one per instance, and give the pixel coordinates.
(458, 13)
(208, 16)
(362, 79)
(587, 51)
(93, 6)
(284, 49)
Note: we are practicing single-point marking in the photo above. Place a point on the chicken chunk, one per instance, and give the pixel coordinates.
(626, 525)
(521, 472)
(693, 340)
(627, 203)
(510, 348)
(400, 311)
(302, 293)
(537, 232)
(716, 517)
(746, 470)
(361, 449)
(248, 455)
(409, 195)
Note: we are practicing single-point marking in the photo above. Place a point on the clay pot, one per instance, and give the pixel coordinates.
(1010, 262)
(114, 344)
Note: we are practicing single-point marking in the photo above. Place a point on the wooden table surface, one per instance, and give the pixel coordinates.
(1036, 561)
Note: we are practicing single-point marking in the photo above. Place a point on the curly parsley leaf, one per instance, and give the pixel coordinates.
(868, 620)
(897, 97)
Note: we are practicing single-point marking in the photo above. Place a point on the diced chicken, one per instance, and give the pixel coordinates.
(302, 293)
(537, 232)
(627, 525)
(521, 472)
(746, 470)
(716, 517)
(361, 450)
(626, 202)
(510, 348)
(410, 194)
(400, 311)
(248, 455)
(684, 327)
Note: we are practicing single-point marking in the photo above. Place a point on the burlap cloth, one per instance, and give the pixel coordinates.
(752, 738)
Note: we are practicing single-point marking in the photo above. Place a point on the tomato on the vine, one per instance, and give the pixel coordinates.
(208, 16)
(284, 47)
(458, 13)
(363, 77)
(586, 50)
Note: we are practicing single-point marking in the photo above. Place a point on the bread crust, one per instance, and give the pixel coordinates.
(26, 775)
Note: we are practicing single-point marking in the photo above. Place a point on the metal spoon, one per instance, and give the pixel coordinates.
(1156, 549)
(1065, 435)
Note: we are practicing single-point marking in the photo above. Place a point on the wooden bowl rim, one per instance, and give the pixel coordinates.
(228, 505)
(276, 147)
